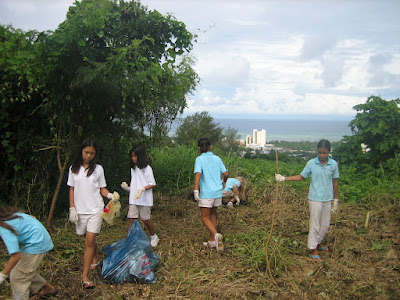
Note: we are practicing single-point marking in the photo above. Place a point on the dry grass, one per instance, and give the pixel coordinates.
(360, 264)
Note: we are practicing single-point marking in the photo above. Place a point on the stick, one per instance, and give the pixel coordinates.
(320, 268)
(272, 222)
(366, 220)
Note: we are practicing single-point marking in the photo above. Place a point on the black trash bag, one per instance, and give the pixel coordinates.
(131, 259)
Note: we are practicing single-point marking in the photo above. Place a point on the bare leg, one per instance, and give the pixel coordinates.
(90, 253)
(209, 220)
(149, 225)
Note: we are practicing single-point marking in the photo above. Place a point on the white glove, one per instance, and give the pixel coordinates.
(2, 278)
(196, 195)
(125, 186)
(73, 215)
(279, 177)
(139, 192)
(115, 197)
(109, 196)
(335, 205)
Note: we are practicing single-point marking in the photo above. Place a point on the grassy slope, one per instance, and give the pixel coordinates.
(361, 263)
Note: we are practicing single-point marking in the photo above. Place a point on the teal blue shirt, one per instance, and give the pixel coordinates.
(211, 167)
(321, 186)
(230, 182)
(32, 237)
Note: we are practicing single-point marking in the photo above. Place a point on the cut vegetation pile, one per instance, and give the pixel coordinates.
(361, 263)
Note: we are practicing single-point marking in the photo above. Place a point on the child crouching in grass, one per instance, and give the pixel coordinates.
(27, 242)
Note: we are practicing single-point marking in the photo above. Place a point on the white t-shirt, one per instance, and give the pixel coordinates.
(139, 179)
(87, 197)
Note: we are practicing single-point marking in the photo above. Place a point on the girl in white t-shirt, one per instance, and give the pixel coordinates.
(140, 190)
(87, 189)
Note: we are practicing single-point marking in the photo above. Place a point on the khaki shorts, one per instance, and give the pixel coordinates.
(210, 202)
(88, 223)
(136, 211)
(24, 277)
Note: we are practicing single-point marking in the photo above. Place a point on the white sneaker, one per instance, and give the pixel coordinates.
(218, 242)
(229, 205)
(154, 240)
(209, 244)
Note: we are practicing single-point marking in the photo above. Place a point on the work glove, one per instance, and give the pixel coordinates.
(196, 195)
(125, 186)
(115, 197)
(139, 192)
(2, 278)
(73, 215)
(335, 205)
(279, 177)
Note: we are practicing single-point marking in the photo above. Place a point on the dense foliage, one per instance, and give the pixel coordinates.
(112, 69)
(377, 128)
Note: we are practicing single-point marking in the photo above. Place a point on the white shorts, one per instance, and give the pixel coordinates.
(210, 202)
(88, 223)
(139, 210)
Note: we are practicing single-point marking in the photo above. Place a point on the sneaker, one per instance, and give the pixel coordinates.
(154, 240)
(218, 242)
(209, 244)
(229, 205)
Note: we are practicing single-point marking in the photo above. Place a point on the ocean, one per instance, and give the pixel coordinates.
(292, 130)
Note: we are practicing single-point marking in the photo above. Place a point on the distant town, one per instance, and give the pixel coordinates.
(257, 144)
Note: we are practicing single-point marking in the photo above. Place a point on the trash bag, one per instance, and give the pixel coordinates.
(112, 209)
(131, 259)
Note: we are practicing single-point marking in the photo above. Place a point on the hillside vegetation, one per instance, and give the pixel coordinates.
(362, 261)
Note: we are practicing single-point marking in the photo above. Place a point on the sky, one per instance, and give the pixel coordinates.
(256, 58)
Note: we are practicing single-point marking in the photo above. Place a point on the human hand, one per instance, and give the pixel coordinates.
(3, 277)
(279, 177)
(196, 195)
(335, 205)
(139, 192)
(125, 186)
(73, 215)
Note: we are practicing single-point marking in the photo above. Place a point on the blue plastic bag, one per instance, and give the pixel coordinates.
(131, 259)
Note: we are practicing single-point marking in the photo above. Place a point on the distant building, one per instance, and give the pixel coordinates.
(259, 138)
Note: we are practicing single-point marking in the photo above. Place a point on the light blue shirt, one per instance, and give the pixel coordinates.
(321, 186)
(32, 237)
(211, 167)
(229, 184)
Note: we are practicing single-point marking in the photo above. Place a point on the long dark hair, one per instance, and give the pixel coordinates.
(142, 159)
(76, 165)
(204, 144)
(7, 214)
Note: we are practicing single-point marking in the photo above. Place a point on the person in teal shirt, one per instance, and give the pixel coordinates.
(27, 241)
(208, 168)
(322, 195)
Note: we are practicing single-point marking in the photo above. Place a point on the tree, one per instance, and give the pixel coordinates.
(229, 142)
(112, 69)
(377, 125)
(197, 126)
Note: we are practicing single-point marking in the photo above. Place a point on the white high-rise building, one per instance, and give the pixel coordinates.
(259, 138)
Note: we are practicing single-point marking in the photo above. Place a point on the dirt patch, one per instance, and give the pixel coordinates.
(361, 263)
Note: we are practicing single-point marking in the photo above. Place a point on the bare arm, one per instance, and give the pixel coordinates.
(14, 259)
(71, 197)
(335, 187)
(226, 175)
(104, 192)
(197, 177)
(149, 186)
(294, 178)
